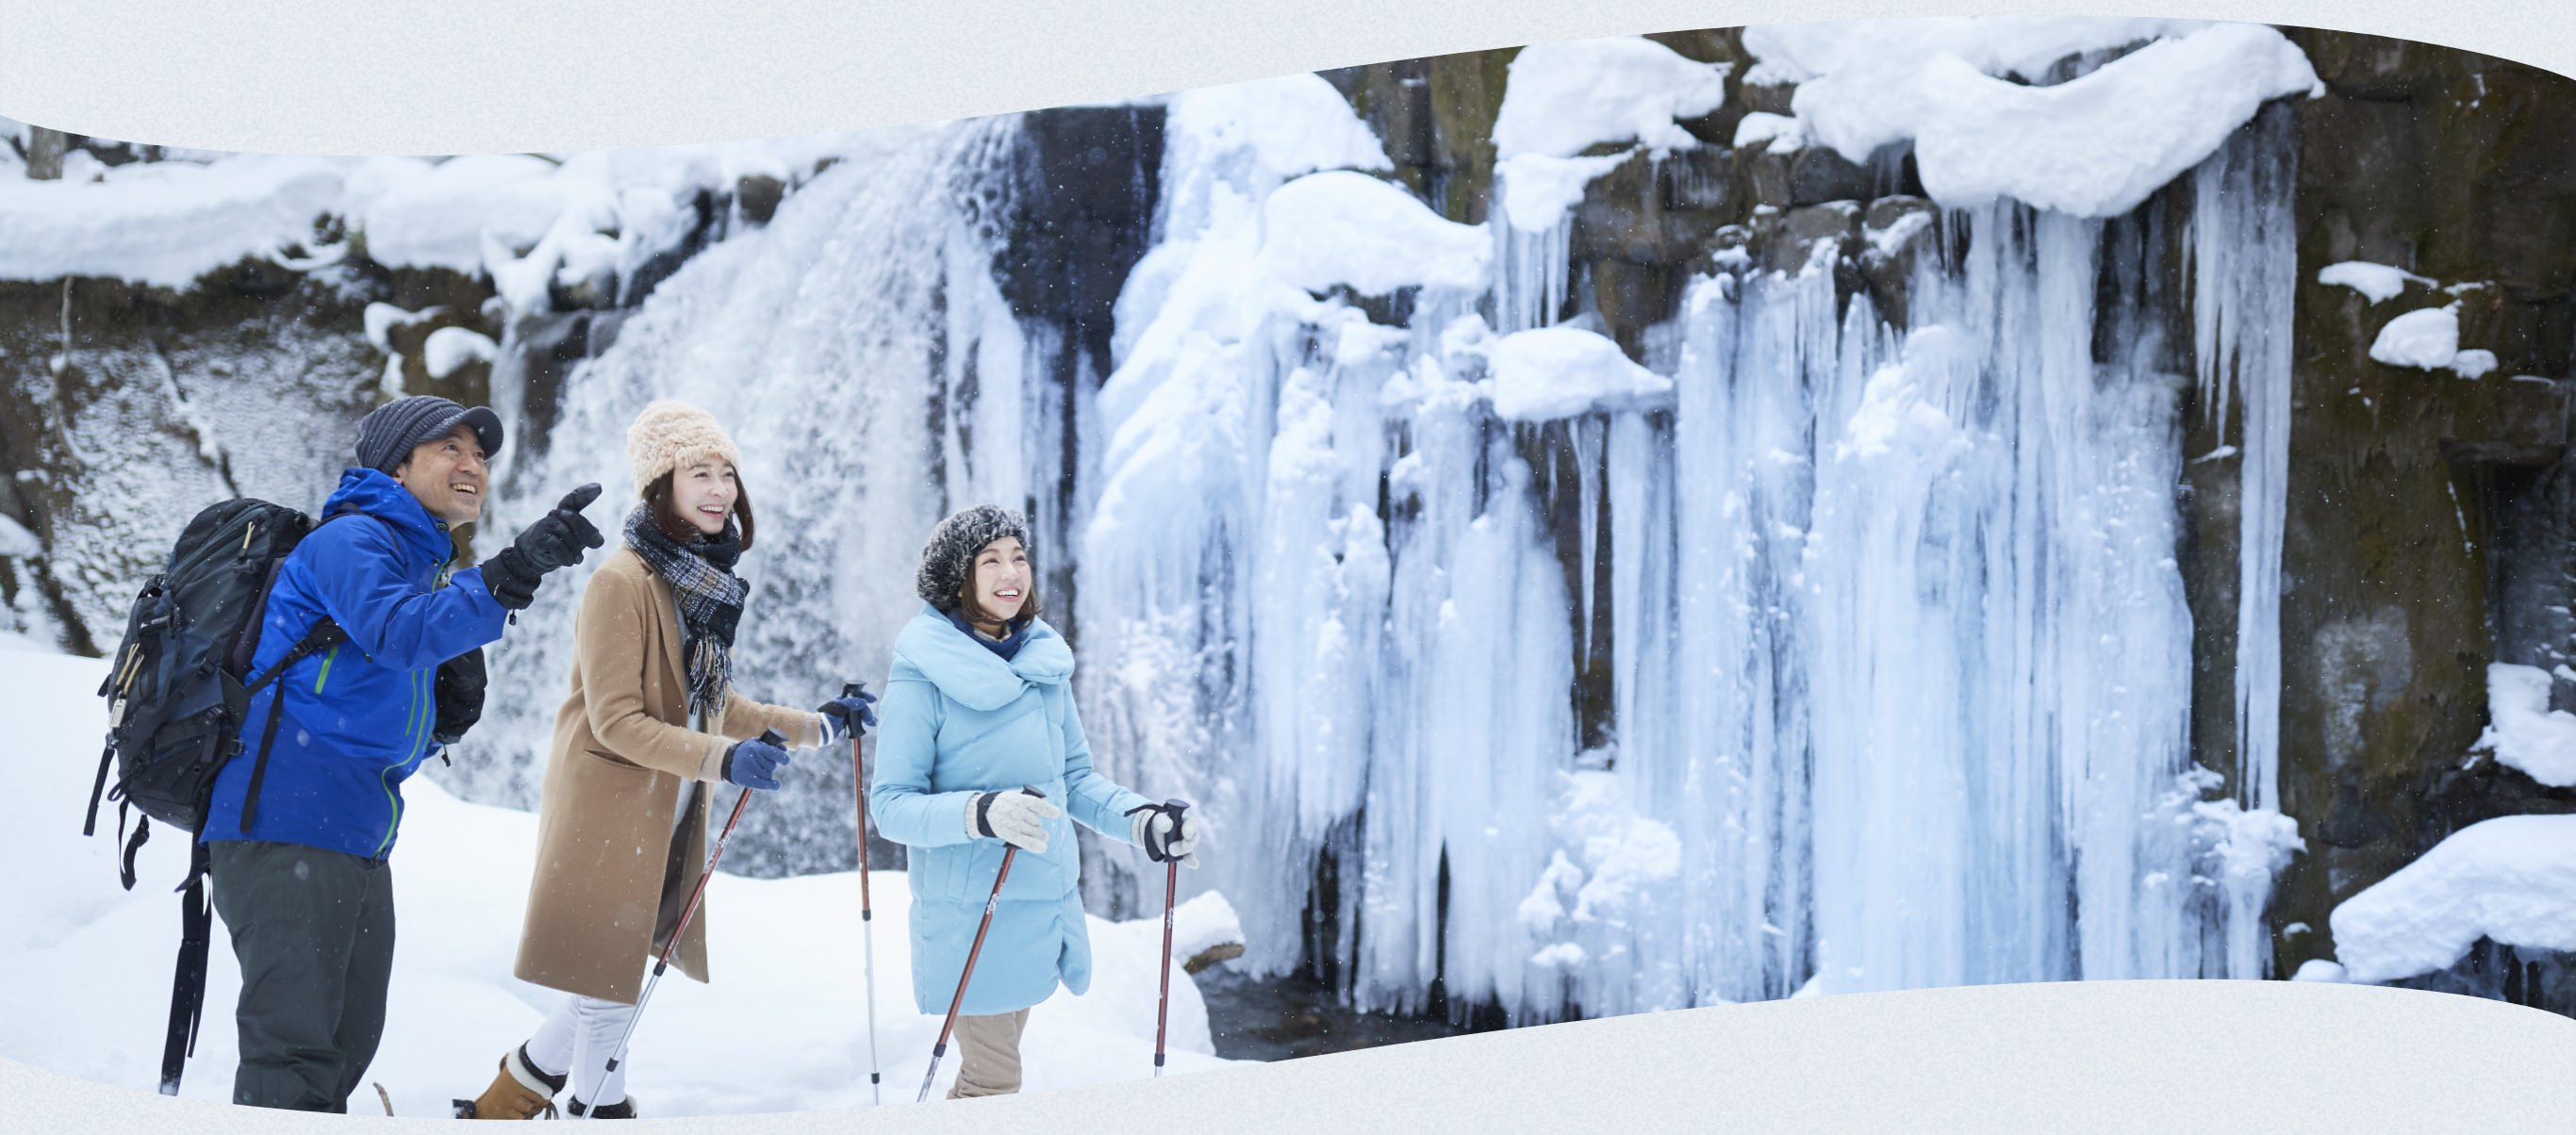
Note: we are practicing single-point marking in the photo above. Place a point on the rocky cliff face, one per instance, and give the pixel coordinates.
(2428, 530)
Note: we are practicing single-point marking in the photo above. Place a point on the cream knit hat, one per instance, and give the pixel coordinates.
(670, 434)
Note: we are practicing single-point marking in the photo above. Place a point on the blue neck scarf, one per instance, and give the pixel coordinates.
(1009, 644)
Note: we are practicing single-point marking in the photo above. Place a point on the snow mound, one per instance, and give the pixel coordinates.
(1236, 144)
(1781, 131)
(449, 349)
(2098, 145)
(15, 540)
(2429, 339)
(2249, 845)
(520, 218)
(418, 215)
(1894, 415)
(163, 223)
(2523, 732)
(1294, 124)
(2511, 880)
(2093, 146)
(383, 318)
(1538, 189)
(1559, 372)
(2376, 282)
(1625, 858)
(1350, 228)
(2318, 969)
(1887, 49)
(1562, 98)
(1203, 923)
(785, 955)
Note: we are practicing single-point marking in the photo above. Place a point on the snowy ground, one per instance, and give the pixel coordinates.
(781, 1029)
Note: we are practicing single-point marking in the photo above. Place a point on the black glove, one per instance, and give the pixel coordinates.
(552, 543)
(458, 692)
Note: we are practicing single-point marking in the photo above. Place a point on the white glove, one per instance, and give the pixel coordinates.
(1166, 833)
(1016, 818)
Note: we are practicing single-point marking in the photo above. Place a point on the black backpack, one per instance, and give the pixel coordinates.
(178, 687)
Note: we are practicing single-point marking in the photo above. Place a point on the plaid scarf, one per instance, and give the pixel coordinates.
(709, 594)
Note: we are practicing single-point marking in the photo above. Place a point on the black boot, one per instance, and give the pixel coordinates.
(622, 1109)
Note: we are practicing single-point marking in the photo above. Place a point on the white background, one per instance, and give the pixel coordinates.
(487, 76)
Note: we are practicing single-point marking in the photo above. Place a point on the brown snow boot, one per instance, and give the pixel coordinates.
(518, 1091)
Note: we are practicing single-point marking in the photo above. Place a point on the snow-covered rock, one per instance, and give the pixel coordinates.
(1538, 189)
(2093, 146)
(2319, 969)
(1783, 132)
(2429, 339)
(2522, 731)
(2376, 282)
(1558, 372)
(449, 349)
(163, 223)
(1345, 227)
(15, 540)
(1562, 98)
(2511, 880)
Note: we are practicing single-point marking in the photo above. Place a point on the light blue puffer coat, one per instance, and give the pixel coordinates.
(958, 720)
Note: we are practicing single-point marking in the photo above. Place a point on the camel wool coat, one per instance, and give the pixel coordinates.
(611, 871)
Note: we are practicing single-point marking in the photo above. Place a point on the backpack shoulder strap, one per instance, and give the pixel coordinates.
(324, 634)
(188, 981)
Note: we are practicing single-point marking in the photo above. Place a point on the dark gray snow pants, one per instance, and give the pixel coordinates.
(314, 933)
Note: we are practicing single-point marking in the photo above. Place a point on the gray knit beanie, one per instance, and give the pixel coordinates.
(952, 547)
(388, 434)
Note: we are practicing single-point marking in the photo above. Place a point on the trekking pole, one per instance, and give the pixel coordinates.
(940, 1049)
(867, 917)
(682, 928)
(1171, 883)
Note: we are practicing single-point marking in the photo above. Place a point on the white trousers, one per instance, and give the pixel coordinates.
(580, 1035)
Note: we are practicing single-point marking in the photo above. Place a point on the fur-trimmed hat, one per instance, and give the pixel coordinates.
(952, 547)
(670, 434)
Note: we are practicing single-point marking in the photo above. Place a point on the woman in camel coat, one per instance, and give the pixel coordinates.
(651, 726)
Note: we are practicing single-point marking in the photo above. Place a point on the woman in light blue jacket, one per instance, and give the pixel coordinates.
(980, 704)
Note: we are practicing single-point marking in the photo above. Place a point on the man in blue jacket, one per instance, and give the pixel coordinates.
(301, 822)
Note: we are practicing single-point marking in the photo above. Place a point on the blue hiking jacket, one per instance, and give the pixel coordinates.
(358, 715)
(958, 720)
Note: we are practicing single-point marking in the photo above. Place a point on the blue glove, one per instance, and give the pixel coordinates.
(849, 715)
(755, 763)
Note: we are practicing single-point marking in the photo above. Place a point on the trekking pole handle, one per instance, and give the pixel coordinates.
(1175, 805)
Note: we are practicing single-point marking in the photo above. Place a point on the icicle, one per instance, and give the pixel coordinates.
(1587, 432)
(2245, 264)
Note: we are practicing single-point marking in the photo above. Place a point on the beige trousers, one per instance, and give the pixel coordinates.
(988, 1054)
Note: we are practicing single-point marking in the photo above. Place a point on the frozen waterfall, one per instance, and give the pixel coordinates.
(1901, 648)
(1900, 657)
